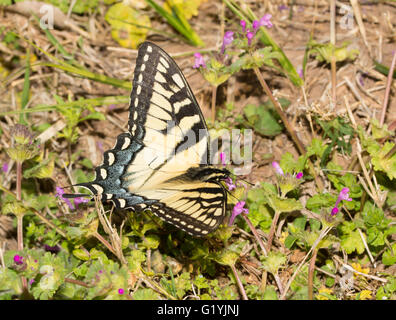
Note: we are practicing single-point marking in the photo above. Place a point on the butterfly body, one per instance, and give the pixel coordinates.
(163, 162)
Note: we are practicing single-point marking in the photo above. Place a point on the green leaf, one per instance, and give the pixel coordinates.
(262, 119)
(145, 294)
(352, 242)
(273, 262)
(389, 256)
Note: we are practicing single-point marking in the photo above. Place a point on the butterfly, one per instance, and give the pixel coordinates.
(163, 162)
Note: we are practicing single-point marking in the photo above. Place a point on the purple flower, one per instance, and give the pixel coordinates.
(265, 21)
(120, 291)
(255, 25)
(300, 73)
(18, 259)
(250, 36)
(5, 167)
(334, 211)
(277, 168)
(227, 40)
(243, 25)
(112, 107)
(343, 195)
(31, 281)
(79, 200)
(237, 210)
(54, 249)
(59, 194)
(199, 61)
(230, 184)
(282, 7)
(299, 175)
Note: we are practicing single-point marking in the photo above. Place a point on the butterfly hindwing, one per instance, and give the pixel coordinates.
(150, 165)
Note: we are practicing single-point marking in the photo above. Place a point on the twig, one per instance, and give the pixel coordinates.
(311, 270)
(320, 237)
(239, 282)
(272, 230)
(254, 231)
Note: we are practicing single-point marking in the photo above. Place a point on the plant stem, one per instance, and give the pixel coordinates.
(214, 93)
(254, 231)
(288, 126)
(272, 230)
(19, 198)
(20, 217)
(239, 282)
(311, 270)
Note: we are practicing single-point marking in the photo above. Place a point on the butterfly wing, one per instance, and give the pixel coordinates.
(167, 137)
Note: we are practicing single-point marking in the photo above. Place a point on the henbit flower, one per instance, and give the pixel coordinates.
(79, 200)
(300, 73)
(4, 168)
(54, 249)
(282, 7)
(18, 259)
(343, 195)
(265, 21)
(299, 175)
(255, 25)
(277, 168)
(120, 291)
(227, 40)
(59, 193)
(199, 61)
(230, 184)
(250, 36)
(237, 210)
(243, 25)
(334, 211)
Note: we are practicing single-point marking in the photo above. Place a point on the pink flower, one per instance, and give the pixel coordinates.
(343, 195)
(79, 200)
(250, 36)
(237, 210)
(199, 61)
(299, 175)
(18, 259)
(59, 194)
(277, 168)
(4, 168)
(230, 184)
(243, 25)
(120, 291)
(227, 40)
(265, 21)
(255, 25)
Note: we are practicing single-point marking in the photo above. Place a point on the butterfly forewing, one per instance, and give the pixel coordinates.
(167, 137)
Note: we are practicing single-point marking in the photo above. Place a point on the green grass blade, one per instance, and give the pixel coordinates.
(178, 22)
(26, 89)
(72, 104)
